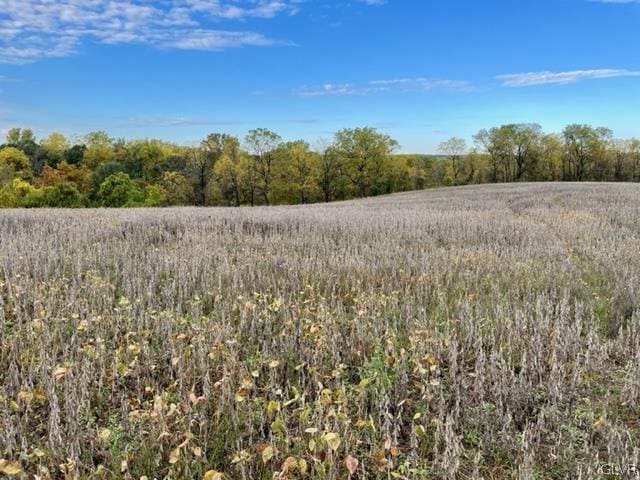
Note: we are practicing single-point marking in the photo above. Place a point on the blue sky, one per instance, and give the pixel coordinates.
(420, 70)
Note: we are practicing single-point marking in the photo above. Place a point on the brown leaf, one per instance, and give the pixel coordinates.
(174, 456)
(352, 464)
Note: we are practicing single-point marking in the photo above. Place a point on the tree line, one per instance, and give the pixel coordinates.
(263, 169)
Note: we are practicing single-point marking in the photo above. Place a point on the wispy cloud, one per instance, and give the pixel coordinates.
(34, 29)
(561, 78)
(167, 121)
(398, 85)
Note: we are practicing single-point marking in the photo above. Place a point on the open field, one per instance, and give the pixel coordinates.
(478, 332)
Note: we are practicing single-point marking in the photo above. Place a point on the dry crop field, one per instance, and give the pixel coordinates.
(478, 332)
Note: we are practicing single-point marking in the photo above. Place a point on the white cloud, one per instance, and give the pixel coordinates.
(344, 89)
(418, 84)
(34, 29)
(561, 78)
(164, 121)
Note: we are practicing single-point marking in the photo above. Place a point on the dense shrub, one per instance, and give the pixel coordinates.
(154, 196)
(14, 193)
(118, 190)
(63, 195)
(14, 164)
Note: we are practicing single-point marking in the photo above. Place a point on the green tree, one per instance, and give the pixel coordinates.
(100, 173)
(365, 157)
(75, 154)
(144, 158)
(262, 144)
(14, 163)
(513, 150)
(118, 190)
(176, 188)
(154, 196)
(299, 170)
(634, 153)
(330, 176)
(99, 149)
(202, 161)
(23, 139)
(53, 148)
(583, 144)
(550, 165)
(454, 149)
(233, 176)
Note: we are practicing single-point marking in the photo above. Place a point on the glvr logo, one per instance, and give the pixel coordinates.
(619, 470)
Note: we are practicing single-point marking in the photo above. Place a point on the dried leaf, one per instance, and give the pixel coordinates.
(352, 464)
(60, 372)
(25, 396)
(289, 465)
(174, 456)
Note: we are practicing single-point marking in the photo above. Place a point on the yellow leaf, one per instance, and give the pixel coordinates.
(333, 440)
(302, 466)
(599, 422)
(267, 454)
(9, 468)
(197, 451)
(104, 434)
(275, 305)
(25, 396)
(272, 407)
(352, 464)
(39, 395)
(212, 475)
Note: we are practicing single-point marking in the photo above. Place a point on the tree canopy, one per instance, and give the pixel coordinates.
(264, 169)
